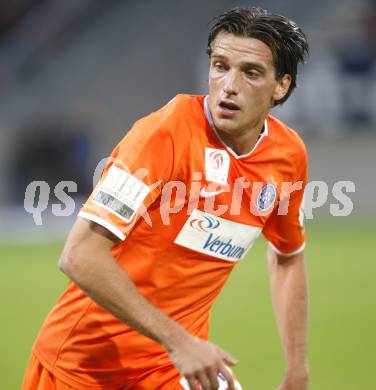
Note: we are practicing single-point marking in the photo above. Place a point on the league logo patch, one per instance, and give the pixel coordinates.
(216, 159)
(217, 164)
(267, 197)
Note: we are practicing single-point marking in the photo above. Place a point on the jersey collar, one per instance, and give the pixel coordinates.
(264, 132)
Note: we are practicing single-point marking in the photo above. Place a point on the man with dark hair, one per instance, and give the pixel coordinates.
(284, 38)
(182, 199)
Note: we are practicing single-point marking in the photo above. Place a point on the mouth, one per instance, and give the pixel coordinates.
(228, 105)
(228, 108)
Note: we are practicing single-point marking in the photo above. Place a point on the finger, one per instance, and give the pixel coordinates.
(191, 382)
(228, 376)
(204, 381)
(213, 378)
(228, 359)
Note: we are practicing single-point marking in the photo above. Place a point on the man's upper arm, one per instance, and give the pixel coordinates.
(86, 241)
(284, 229)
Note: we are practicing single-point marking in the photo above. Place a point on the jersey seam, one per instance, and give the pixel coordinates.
(58, 373)
(288, 254)
(100, 221)
(69, 334)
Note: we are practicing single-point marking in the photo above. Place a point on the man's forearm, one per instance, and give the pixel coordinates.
(100, 276)
(289, 287)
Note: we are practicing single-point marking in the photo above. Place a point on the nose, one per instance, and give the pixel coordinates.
(231, 83)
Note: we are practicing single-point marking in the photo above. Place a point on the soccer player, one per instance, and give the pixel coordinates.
(181, 201)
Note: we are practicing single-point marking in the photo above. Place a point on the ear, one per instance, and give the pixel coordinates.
(282, 87)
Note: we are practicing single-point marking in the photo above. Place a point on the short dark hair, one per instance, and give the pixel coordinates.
(285, 39)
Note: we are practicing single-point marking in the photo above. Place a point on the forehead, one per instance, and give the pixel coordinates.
(241, 49)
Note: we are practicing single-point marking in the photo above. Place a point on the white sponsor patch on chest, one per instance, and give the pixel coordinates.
(218, 237)
(217, 164)
(121, 193)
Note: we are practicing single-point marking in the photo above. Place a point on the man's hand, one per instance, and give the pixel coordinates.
(201, 361)
(295, 380)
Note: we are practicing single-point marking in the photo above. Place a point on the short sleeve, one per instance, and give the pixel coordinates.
(284, 229)
(133, 178)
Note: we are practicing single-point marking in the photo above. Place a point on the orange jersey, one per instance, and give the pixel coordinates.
(186, 209)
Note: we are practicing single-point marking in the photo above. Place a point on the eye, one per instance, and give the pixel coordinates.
(220, 66)
(252, 74)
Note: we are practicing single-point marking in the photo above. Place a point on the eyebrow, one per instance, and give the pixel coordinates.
(246, 64)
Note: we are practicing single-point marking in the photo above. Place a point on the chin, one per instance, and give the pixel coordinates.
(226, 125)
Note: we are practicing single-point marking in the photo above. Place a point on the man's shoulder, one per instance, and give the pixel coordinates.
(172, 123)
(179, 113)
(183, 109)
(286, 137)
(186, 101)
(189, 107)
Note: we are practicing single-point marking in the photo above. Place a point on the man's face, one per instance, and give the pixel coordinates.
(242, 84)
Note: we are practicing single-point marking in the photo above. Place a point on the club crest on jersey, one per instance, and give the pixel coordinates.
(217, 164)
(267, 197)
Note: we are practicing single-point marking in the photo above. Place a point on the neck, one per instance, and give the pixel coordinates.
(242, 142)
